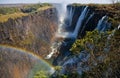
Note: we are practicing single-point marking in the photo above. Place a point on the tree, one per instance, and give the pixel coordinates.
(41, 74)
(91, 42)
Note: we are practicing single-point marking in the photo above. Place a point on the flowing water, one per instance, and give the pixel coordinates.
(63, 33)
(103, 24)
(19, 63)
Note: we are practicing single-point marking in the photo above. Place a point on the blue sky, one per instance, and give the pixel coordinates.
(55, 1)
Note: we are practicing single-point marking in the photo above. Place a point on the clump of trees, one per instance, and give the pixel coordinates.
(92, 42)
(41, 74)
(97, 44)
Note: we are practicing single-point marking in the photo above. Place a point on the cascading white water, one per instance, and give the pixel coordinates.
(78, 25)
(87, 21)
(51, 53)
(62, 13)
(60, 33)
(70, 15)
(54, 48)
(80, 21)
(89, 17)
(103, 24)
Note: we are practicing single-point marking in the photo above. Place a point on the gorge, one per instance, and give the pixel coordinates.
(50, 32)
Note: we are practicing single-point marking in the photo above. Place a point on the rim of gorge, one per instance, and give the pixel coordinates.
(59, 40)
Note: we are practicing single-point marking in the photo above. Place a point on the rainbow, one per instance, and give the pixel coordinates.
(28, 52)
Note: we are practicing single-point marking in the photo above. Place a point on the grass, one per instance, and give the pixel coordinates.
(43, 8)
(13, 13)
(4, 18)
(34, 7)
(8, 10)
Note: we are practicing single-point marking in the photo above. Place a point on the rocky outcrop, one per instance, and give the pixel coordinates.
(33, 32)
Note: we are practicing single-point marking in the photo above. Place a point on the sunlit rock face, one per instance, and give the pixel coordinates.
(34, 32)
(16, 63)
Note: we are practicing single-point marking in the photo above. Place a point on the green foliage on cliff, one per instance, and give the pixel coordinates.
(91, 42)
(41, 74)
(114, 21)
(4, 18)
(34, 7)
(16, 12)
(8, 10)
(101, 46)
(110, 67)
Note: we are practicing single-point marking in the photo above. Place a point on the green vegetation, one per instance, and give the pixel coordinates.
(110, 67)
(41, 74)
(92, 42)
(8, 10)
(35, 7)
(96, 43)
(114, 21)
(17, 12)
(4, 18)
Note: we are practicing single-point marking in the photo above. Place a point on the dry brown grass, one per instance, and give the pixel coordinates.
(4, 18)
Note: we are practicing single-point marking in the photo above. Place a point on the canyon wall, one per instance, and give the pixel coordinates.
(33, 32)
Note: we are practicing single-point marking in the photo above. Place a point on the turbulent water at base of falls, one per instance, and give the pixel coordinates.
(54, 48)
(103, 24)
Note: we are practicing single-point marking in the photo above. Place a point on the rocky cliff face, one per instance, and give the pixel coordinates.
(95, 13)
(33, 32)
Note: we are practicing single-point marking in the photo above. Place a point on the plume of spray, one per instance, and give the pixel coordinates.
(62, 15)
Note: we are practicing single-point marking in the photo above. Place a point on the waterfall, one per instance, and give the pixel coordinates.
(87, 22)
(82, 17)
(51, 53)
(103, 24)
(89, 17)
(64, 34)
(70, 15)
(54, 48)
(80, 21)
(62, 13)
